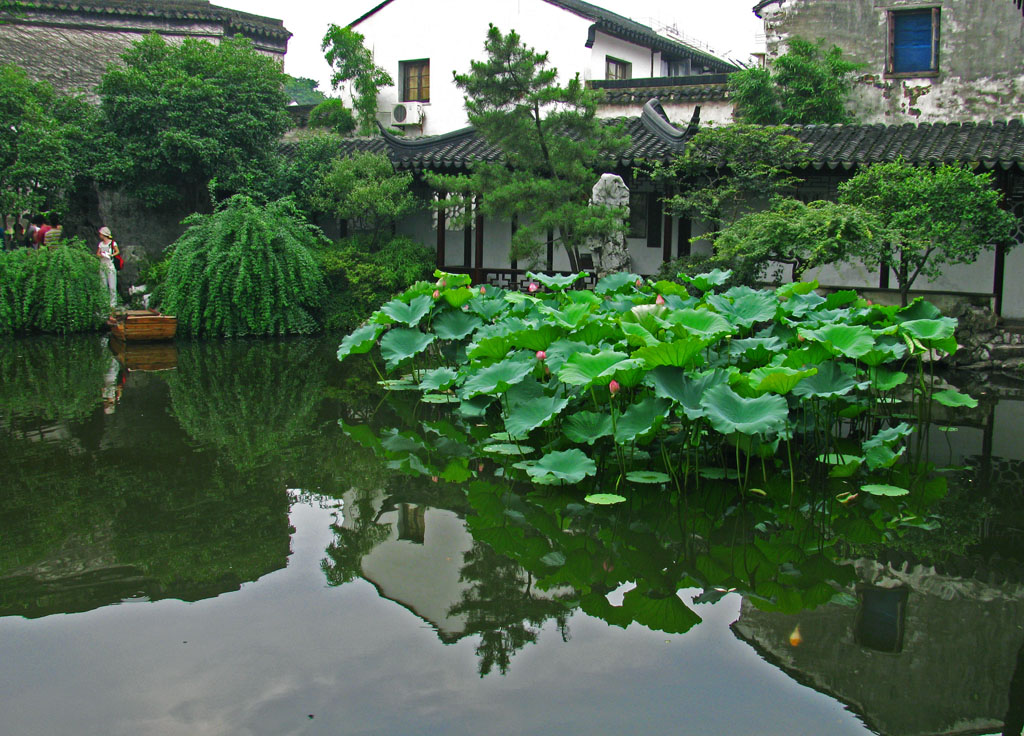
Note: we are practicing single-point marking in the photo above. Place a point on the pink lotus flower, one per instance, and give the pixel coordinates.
(614, 387)
(639, 283)
(436, 293)
(444, 283)
(660, 299)
(483, 290)
(532, 287)
(541, 355)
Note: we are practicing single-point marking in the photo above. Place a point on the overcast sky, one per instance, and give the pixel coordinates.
(727, 26)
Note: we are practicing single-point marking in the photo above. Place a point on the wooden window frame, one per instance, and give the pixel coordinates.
(890, 60)
(612, 64)
(404, 74)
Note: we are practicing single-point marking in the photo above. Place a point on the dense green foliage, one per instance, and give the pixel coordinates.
(934, 217)
(555, 149)
(353, 62)
(807, 85)
(245, 270)
(51, 290)
(189, 114)
(727, 172)
(51, 378)
(366, 190)
(332, 115)
(36, 156)
(360, 279)
(801, 235)
(303, 90)
(300, 172)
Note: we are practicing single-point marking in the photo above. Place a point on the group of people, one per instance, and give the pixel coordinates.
(40, 230)
(47, 231)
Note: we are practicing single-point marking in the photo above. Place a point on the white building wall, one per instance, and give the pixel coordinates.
(712, 112)
(644, 61)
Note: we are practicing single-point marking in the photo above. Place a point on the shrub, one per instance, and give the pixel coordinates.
(334, 116)
(359, 281)
(51, 290)
(245, 270)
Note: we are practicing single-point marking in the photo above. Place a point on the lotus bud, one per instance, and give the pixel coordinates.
(547, 370)
(444, 283)
(614, 387)
(483, 290)
(660, 299)
(436, 294)
(869, 302)
(532, 287)
(639, 283)
(433, 479)
(480, 467)
(541, 355)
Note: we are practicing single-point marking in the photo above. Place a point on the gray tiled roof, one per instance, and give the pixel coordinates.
(998, 144)
(710, 87)
(175, 9)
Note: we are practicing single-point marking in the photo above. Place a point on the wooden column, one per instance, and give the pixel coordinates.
(479, 265)
(666, 238)
(513, 263)
(685, 233)
(441, 224)
(551, 251)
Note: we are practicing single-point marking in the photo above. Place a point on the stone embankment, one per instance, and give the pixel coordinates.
(986, 345)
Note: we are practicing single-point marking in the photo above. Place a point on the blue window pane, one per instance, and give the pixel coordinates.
(912, 42)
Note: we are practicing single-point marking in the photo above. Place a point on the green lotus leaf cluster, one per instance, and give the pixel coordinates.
(644, 385)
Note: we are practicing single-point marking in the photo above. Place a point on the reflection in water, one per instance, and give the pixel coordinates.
(184, 493)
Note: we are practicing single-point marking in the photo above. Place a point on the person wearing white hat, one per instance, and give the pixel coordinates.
(106, 250)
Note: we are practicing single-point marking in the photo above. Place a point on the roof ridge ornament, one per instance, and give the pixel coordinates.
(657, 123)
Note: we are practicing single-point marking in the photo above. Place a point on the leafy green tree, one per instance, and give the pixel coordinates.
(303, 90)
(332, 115)
(366, 190)
(244, 270)
(807, 85)
(35, 160)
(554, 148)
(801, 235)
(935, 217)
(727, 172)
(352, 62)
(189, 115)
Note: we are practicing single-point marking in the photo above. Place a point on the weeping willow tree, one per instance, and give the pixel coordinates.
(245, 270)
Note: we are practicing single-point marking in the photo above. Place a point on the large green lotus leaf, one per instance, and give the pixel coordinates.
(883, 379)
(706, 281)
(571, 316)
(636, 334)
(597, 331)
(800, 305)
(451, 279)
(532, 414)
(561, 350)
(886, 350)
(630, 373)
(889, 436)
(680, 353)
(504, 448)
(489, 306)
(851, 341)
(612, 283)
(362, 434)
(777, 380)
(649, 316)
(570, 466)
(411, 313)
(659, 612)
(475, 407)
(884, 489)
(881, 457)
(842, 298)
(830, 381)
(671, 288)
(917, 309)
(437, 379)
(755, 350)
(536, 338)
(555, 283)
(648, 476)
(493, 347)
(458, 297)
(729, 412)
(952, 397)
(604, 499)
(584, 369)
(402, 343)
(360, 341)
(588, 427)
(526, 390)
(455, 325)
(583, 296)
(675, 384)
(796, 288)
(929, 331)
(497, 378)
(641, 420)
(401, 442)
(747, 308)
(700, 322)
(811, 353)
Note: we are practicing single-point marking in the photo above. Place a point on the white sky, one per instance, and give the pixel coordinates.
(727, 26)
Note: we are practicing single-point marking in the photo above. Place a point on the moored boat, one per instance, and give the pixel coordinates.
(136, 325)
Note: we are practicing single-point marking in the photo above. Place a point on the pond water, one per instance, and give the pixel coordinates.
(193, 546)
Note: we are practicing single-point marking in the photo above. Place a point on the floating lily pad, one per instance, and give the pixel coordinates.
(647, 476)
(604, 499)
(884, 489)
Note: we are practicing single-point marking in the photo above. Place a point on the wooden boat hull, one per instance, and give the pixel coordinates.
(143, 325)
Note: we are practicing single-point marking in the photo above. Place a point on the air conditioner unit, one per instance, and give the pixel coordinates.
(407, 113)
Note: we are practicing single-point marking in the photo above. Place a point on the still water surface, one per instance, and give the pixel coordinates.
(201, 550)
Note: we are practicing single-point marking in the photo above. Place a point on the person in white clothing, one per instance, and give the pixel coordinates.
(105, 251)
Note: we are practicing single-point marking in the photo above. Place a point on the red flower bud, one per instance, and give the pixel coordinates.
(436, 293)
(483, 290)
(660, 299)
(639, 283)
(614, 387)
(532, 287)
(541, 355)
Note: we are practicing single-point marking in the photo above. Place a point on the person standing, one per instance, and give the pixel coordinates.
(41, 231)
(106, 249)
(32, 230)
(53, 236)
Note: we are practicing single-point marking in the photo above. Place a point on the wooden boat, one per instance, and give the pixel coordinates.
(138, 325)
(145, 356)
